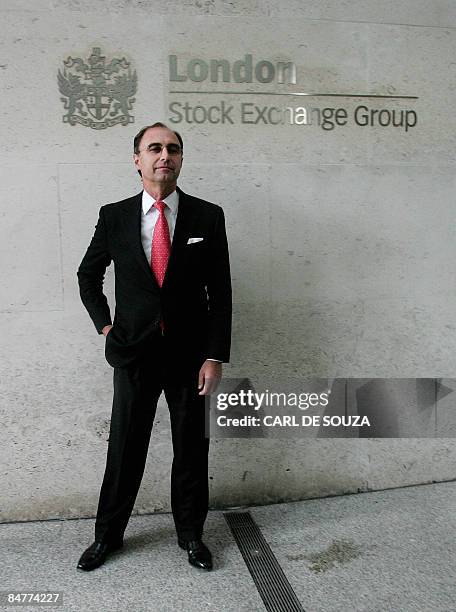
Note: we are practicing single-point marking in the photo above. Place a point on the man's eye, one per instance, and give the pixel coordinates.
(155, 149)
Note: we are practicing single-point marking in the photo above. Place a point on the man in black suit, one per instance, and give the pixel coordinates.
(171, 332)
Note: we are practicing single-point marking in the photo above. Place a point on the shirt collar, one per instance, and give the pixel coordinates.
(148, 201)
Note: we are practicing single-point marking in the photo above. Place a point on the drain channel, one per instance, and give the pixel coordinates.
(272, 584)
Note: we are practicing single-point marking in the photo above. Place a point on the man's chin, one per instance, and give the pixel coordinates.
(166, 177)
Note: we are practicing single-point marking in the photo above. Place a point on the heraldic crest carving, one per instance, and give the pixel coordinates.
(96, 94)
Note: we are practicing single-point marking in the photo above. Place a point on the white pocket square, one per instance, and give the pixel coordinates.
(193, 240)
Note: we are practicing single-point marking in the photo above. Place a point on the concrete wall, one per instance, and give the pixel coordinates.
(342, 241)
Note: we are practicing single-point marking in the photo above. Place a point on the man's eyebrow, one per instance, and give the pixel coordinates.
(152, 144)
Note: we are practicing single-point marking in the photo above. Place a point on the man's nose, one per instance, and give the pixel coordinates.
(164, 153)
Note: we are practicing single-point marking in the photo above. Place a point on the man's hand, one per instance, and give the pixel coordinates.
(209, 377)
(106, 329)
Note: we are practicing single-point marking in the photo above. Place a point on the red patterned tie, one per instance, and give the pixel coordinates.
(161, 244)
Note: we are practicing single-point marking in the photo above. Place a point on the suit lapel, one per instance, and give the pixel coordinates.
(184, 222)
(132, 228)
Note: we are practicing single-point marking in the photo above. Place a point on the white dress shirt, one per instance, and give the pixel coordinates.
(149, 218)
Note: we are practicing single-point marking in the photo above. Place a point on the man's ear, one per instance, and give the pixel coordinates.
(136, 160)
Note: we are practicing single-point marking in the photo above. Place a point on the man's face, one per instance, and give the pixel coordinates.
(159, 157)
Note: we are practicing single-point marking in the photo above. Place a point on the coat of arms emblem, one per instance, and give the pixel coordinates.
(97, 94)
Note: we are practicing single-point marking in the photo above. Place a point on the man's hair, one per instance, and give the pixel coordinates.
(142, 131)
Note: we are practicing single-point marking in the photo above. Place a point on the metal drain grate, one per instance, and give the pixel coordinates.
(272, 584)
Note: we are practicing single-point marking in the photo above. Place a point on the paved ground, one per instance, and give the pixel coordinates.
(375, 552)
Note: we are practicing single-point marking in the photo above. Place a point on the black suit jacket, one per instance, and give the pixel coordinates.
(194, 301)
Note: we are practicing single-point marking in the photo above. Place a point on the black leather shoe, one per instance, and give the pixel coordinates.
(199, 554)
(96, 554)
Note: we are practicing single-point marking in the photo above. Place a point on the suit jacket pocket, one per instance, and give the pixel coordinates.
(121, 352)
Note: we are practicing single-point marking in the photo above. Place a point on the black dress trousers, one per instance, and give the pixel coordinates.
(137, 388)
